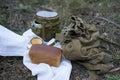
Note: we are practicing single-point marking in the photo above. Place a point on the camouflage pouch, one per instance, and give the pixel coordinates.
(80, 42)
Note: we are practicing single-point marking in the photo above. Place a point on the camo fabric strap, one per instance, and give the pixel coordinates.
(80, 42)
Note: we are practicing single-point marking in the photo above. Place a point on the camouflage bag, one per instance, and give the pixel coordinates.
(80, 42)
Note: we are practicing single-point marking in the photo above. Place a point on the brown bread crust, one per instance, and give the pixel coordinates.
(41, 53)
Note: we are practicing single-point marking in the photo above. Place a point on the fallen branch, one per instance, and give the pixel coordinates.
(115, 69)
(118, 26)
(106, 40)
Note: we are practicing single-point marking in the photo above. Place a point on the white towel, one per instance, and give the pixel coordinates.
(13, 44)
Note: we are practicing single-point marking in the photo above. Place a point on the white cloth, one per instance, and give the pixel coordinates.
(13, 44)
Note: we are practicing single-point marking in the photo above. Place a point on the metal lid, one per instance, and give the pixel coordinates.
(46, 17)
(47, 14)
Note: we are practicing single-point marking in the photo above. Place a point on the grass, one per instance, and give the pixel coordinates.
(113, 77)
(90, 72)
(3, 19)
(117, 57)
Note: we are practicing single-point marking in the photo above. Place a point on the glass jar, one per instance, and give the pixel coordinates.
(47, 24)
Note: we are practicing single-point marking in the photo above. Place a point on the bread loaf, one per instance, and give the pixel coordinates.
(41, 53)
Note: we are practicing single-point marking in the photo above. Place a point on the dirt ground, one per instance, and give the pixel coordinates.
(17, 15)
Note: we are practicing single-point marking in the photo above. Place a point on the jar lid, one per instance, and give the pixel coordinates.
(46, 14)
(46, 17)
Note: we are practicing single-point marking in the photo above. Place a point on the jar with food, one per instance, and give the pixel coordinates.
(47, 24)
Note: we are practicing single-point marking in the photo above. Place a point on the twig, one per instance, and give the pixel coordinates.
(115, 69)
(118, 26)
(114, 43)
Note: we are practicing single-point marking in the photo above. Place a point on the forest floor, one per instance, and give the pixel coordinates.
(17, 15)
